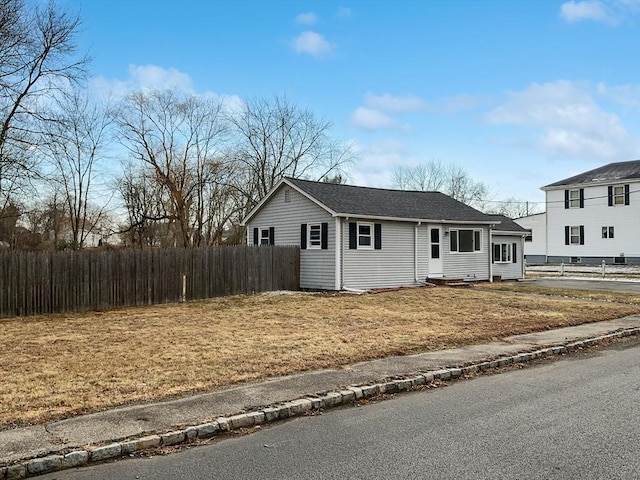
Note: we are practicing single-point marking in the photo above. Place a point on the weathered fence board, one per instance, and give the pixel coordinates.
(34, 283)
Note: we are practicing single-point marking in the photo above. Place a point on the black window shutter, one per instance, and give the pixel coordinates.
(324, 236)
(566, 235)
(303, 236)
(626, 194)
(493, 253)
(514, 254)
(255, 236)
(610, 194)
(272, 239)
(377, 236)
(581, 234)
(353, 238)
(582, 198)
(566, 199)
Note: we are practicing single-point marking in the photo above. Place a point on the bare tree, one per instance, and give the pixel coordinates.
(178, 139)
(514, 208)
(75, 144)
(450, 179)
(276, 138)
(37, 56)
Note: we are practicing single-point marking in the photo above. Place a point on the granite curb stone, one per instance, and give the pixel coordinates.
(348, 395)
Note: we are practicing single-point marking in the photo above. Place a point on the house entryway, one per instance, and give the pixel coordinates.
(435, 252)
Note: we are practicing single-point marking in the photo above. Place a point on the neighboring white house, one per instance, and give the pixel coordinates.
(535, 243)
(593, 217)
(363, 238)
(507, 252)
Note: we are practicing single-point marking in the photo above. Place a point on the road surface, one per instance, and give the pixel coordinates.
(578, 417)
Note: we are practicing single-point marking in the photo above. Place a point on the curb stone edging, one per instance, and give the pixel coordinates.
(301, 406)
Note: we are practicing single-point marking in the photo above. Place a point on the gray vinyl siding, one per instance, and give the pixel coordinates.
(467, 265)
(509, 271)
(391, 266)
(317, 267)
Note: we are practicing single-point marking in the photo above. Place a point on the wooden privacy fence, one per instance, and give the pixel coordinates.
(49, 282)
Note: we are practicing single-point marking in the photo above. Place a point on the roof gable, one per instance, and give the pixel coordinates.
(348, 200)
(613, 172)
(508, 225)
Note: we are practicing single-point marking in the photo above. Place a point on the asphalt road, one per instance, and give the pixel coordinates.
(575, 418)
(618, 286)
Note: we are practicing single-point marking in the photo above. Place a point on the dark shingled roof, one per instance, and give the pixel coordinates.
(377, 202)
(609, 173)
(508, 225)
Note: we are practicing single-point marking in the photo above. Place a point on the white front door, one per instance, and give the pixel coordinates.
(435, 252)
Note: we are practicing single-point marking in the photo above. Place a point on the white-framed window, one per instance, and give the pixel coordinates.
(574, 198)
(464, 241)
(618, 195)
(607, 232)
(314, 236)
(365, 235)
(574, 235)
(265, 236)
(502, 252)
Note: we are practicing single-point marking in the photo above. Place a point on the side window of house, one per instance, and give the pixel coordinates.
(607, 232)
(574, 235)
(314, 236)
(465, 241)
(574, 198)
(365, 236)
(264, 236)
(618, 195)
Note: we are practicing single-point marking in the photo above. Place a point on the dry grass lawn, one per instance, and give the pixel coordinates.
(631, 298)
(62, 365)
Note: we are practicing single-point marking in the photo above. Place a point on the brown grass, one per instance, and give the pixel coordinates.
(62, 365)
(630, 298)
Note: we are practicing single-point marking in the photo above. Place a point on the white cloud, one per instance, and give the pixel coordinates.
(153, 77)
(308, 18)
(456, 104)
(577, 11)
(611, 12)
(377, 162)
(626, 95)
(141, 77)
(371, 119)
(568, 120)
(313, 44)
(392, 104)
(344, 12)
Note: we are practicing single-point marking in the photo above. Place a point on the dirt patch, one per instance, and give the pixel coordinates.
(64, 365)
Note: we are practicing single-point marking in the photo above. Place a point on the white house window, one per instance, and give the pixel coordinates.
(265, 236)
(574, 235)
(464, 241)
(607, 232)
(502, 253)
(365, 235)
(574, 198)
(287, 195)
(528, 237)
(618, 195)
(315, 240)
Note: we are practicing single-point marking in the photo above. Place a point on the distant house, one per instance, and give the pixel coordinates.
(363, 238)
(535, 243)
(590, 218)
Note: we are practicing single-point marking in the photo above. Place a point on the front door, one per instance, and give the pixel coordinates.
(435, 252)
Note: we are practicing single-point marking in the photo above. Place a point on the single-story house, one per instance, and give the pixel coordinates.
(362, 238)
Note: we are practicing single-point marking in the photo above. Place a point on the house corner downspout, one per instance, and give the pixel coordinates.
(415, 253)
(490, 248)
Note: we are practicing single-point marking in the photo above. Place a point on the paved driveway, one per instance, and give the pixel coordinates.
(602, 285)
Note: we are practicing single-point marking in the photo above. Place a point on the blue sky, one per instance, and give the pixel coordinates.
(519, 92)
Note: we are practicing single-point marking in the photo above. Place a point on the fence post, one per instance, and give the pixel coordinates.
(603, 268)
(562, 269)
(183, 298)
